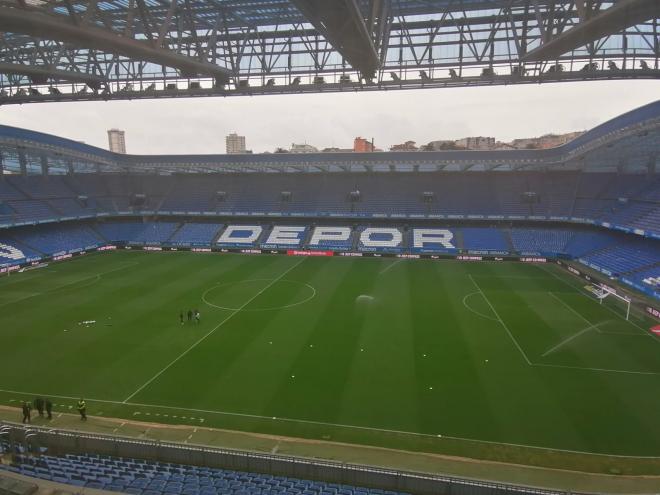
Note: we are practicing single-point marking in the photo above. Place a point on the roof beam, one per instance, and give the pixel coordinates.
(41, 74)
(618, 17)
(57, 28)
(341, 23)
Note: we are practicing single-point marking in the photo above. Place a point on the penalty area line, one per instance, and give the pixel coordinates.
(213, 330)
(580, 290)
(96, 277)
(337, 425)
(571, 338)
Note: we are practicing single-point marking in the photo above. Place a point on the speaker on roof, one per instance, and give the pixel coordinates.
(530, 197)
(285, 196)
(428, 197)
(354, 196)
(220, 196)
(138, 199)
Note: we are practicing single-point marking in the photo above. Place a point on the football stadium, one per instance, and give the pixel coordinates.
(378, 323)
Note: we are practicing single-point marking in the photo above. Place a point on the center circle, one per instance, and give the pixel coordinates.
(259, 284)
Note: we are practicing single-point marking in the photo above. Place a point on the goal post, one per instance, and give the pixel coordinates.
(602, 292)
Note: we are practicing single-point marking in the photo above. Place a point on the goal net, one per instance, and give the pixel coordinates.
(607, 295)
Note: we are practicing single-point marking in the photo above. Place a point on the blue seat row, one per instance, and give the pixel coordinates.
(140, 477)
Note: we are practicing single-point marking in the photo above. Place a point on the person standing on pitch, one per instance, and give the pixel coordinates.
(26, 412)
(39, 406)
(82, 409)
(49, 409)
(181, 317)
(190, 315)
(197, 316)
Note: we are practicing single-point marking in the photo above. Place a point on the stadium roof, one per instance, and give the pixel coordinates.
(64, 50)
(630, 142)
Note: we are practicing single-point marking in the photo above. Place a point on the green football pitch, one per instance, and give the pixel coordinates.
(411, 354)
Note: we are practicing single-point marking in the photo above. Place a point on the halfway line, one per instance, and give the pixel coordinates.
(500, 320)
(204, 337)
(389, 266)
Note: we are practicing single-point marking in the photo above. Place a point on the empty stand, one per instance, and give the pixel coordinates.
(140, 477)
(628, 200)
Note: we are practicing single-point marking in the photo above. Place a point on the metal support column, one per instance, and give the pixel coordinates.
(22, 161)
(44, 165)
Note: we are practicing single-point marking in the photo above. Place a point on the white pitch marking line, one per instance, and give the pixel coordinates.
(579, 289)
(604, 370)
(570, 338)
(96, 276)
(572, 310)
(368, 428)
(389, 266)
(204, 337)
(474, 310)
(309, 298)
(501, 321)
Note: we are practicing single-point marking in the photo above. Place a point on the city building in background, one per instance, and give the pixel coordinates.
(303, 148)
(235, 144)
(476, 143)
(407, 146)
(361, 145)
(545, 141)
(117, 141)
(440, 145)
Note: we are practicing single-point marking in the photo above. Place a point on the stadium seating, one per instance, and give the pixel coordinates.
(624, 257)
(137, 232)
(7, 191)
(485, 239)
(540, 240)
(53, 239)
(195, 234)
(588, 241)
(37, 187)
(628, 200)
(609, 200)
(380, 240)
(13, 252)
(30, 210)
(140, 477)
(334, 244)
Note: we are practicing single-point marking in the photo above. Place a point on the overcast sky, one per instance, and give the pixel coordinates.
(199, 125)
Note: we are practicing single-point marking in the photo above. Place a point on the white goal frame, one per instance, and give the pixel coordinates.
(602, 291)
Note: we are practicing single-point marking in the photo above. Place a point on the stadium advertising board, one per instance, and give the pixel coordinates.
(300, 252)
(9, 269)
(655, 312)
(61, 257)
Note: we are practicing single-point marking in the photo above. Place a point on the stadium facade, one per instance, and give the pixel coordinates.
(595, 199)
